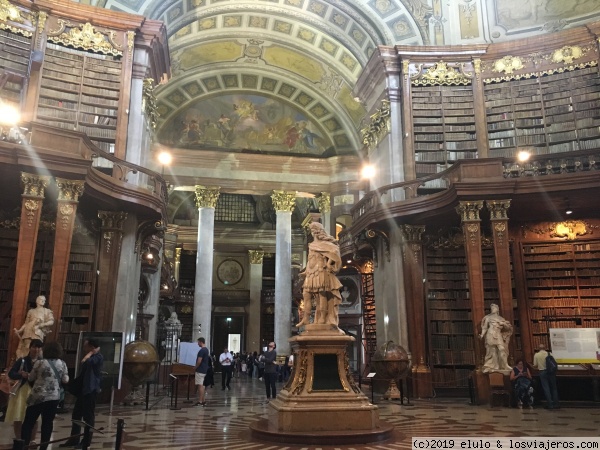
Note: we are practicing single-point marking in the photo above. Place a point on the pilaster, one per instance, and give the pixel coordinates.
(254, 312)
(206, 202)
(69, 192)
(412, 253)
(324, 202)
(34, 187)
(499, 219)
(108, 266)
(283, 203)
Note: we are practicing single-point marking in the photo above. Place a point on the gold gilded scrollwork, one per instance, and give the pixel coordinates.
(130, 40)
(256, 256)
(66, 211)
(469, 211)
(567, 54)
(473, 229)
(441, 74)
(9, 12)
(498, 209)
(69, 189)
(112, 221)
(207, 197)
(42, 17)
(508, 64)
(31, 206)
(149, 104)
(378, 126)
(296, 386)
(324, 201)
(84, 36)
(283, 200)
(34, 185)
(569, 229)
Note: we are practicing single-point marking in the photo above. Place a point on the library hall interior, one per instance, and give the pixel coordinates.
(298, 224)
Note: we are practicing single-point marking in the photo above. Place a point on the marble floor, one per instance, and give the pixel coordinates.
(223, 423)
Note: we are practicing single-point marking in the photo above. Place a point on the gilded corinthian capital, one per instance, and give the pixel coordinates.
(34, 185)
(283, 200)
(112, 220)
(206, 197)
(324, 201)
(469, 211)
(498, 209)
(256, 256)
(69, 190)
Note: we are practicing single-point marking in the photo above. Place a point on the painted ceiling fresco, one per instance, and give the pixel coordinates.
(244, 122)
(306, 55)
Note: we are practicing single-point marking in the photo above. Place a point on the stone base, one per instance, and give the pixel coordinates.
(321, 398)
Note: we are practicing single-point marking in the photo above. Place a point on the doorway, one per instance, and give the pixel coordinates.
(228, 331)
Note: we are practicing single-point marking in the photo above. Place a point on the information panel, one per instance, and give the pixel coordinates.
(575, 345)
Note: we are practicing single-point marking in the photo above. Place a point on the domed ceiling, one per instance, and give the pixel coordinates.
(276, 76)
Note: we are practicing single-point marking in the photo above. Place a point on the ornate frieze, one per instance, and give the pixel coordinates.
(469, 210)
(86, 37)
(256, 256)
(498, 209)
(283, 200)
(569, 229)
(149, 104)
(441, 74)
(508, 64)
(207, 197)
(379, 125)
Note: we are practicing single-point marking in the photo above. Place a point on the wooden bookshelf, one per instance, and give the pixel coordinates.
(9, 241)
(369, 317)
(78, 300)
(562, 284)
(443, 127)
(80, 91)
(449, 318)
(15, 51)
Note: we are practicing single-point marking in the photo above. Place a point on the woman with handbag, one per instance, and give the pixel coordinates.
(17, 403)
(47, 376)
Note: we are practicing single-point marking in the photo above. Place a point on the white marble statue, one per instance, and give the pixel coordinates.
(496, 332)
(38, 323)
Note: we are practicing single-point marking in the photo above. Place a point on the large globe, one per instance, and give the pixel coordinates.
(139, 361)
(391, 361)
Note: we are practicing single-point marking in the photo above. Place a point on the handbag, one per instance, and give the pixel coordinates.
(75, 386)
(61, 389)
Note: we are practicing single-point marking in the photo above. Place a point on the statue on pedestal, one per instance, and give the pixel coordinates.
(324, 262)
(173, 328)
(496, 331)
(38, 324)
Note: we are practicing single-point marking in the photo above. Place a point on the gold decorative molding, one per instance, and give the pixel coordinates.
(207, 197)
(499, 230)
(65, 210)
(508, 64)
(34, 185)
(149, 104)
(10, 12)
(567, 54)
(379, 125)
(324, 202)
(85, 37)
(256, 256)
(406, 69)
(112, 224)
(441, 74)
(130, 40)
(178, 254)
(570, 229)
(469, 211)
(31, 206)
(472, 229)
(498, 209)
(412, 233)
(69, 190)
(296, 384)
(283, 200)
(41, 23)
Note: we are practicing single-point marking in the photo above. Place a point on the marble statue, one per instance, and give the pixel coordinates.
(496, 332)
(174, 323)
(38, 323)
(324, 262)
(173, 326)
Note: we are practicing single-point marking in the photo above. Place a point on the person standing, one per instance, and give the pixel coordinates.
(48, 375)
(201, 369)
(226, 361)
(20, 372)
(547, 379)
(270, 370)
(90, 376)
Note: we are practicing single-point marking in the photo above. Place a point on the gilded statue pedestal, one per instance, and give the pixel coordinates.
(321, 403)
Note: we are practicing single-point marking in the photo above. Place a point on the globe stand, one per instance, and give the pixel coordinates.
(321, 404)
(392, 393)
(135, 397)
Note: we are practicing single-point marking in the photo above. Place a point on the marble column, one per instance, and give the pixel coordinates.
(252, 341)
(206, 201)
(324, 202)
(69, 192)
(284, 204)
(31, 210)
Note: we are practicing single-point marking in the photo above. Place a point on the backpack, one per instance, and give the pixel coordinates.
(551, 364)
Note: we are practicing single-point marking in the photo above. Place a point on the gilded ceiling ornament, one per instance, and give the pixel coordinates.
(256, 256)
(9, 12)
(569, 229)
(31, 206)
(441, 74)
(207, 197)
(324, 201)
(69, 190)
(469, 211)
(508, 64)
(84, 36)
(567, 54)
(283, 201)
(34, 185)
